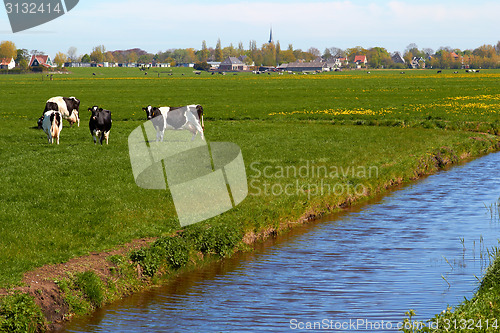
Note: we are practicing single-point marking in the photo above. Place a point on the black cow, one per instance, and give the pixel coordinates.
(100, 124)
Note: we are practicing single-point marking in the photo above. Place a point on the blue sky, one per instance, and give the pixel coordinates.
(158, 25)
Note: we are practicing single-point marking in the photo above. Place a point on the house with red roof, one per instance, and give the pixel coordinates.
(360, 59)
(455, 56)
(7, 63)
(41, 60)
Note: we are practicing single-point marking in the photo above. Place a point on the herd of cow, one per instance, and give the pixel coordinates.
(188, 117)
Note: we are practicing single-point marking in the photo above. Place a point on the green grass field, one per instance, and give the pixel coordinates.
(58, 202)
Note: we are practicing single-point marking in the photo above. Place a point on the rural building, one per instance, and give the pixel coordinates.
(360, 60)
(77, 64)
(244, 59)
(159, 64)
(128, 64)
(312, 66)
(232, 64)
(282, 67)
(41, 60)
(336, 62)
(397, 58)
(418, 62)
(214, 64)
(7, 63)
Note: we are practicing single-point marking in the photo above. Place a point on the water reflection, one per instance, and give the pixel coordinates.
(418, 248)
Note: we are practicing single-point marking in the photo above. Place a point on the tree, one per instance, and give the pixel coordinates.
(72, 54)
(23, 64)
(145, 59)
(109, 57)
(428, 52)
(22, 54)
(278, 52)
(204, 52)
(190, 55)
(336, 52)
(60, 59)
(22, 59)
(327, 54)
(408, 57)
(132, 57)
(287, 56)
(229, 51)
(314, 51)
(86, 58)
(218, 51)
(202, 66)
(8, 49)
(255, 53)
(485, 51)
(269, 54)
(97, 54)
(379, 57)
(353, 52)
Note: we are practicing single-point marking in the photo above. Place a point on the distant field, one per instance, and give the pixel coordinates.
(57, 202)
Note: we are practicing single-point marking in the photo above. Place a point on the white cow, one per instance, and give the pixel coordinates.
(52, 125)
(189, 117)
(68, 106)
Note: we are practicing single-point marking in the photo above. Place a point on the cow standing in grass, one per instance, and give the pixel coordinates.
(67, 106)
(100, 124)
(188, 117)
(52, 125)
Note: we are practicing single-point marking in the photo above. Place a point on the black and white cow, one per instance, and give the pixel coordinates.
(100, 124)
(189, 117)
(52, 125)
(67, 106)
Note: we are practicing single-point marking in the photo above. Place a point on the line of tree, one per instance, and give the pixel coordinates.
(271, 54)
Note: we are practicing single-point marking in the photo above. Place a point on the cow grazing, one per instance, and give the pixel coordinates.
(67, 106)
(100, 124)
(189, 117)
(52, 125)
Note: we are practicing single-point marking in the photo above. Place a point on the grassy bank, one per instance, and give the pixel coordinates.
(311, 144)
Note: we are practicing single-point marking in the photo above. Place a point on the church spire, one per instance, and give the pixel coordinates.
(271, 35)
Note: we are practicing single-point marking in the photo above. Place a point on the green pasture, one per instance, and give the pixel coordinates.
(62, 201)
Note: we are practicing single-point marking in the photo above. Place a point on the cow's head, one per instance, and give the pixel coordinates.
(199, 109)
(151, 112)
(40, 122)
(95, 109)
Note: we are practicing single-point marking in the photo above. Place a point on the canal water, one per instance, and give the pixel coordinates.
(421, 247)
